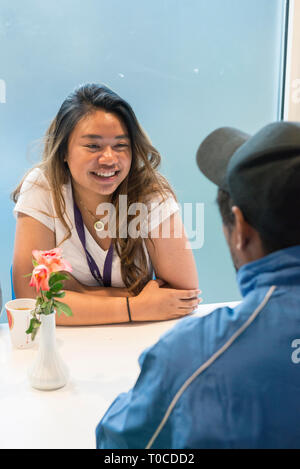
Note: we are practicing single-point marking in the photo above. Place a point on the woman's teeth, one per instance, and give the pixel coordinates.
(106, 175)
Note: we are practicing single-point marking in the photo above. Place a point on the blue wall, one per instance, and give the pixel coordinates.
(186, 67)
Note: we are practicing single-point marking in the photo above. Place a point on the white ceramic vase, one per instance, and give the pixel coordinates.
(48, 372)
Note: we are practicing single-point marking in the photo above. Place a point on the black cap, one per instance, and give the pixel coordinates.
(261, 174)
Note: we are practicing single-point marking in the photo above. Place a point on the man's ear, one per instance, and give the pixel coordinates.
(242, 229)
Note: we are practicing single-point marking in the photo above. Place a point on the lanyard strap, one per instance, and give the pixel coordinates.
(106, 280)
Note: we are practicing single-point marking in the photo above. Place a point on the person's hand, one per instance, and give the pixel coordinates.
(156, 302)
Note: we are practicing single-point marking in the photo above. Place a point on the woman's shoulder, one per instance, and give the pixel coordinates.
(35, 178)
(34, 198)
(34, 192)
(160, 206)
(161, 200)
(159, 196)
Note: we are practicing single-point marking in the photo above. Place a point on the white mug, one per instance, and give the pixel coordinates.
(19, 316)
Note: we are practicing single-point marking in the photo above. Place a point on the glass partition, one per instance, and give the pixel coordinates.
(185, 66)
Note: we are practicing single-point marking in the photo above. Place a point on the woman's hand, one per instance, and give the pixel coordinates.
(156, 302)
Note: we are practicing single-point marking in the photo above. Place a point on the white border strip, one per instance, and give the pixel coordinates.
(208, 363)
(287, 91)
(292, 82)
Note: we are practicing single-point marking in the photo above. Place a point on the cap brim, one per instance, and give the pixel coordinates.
(215, 152)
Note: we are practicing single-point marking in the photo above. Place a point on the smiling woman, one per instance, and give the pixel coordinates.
(97, 156)
(96, 179)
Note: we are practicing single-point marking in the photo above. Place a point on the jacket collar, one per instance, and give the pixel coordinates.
(279, 268)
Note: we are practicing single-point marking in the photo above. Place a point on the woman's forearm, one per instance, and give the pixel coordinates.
(107, 292)
(89, 309)
(74, 285)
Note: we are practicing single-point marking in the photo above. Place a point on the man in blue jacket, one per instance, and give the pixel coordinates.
(232, 379)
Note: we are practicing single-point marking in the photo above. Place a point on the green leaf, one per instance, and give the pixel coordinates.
(62, 308)
(34, 333)
(35, 263)
(57, 277)
(59, 294)
(35, 330)
(30, 328)
(33, 327)
(56, 287)
(49, 308)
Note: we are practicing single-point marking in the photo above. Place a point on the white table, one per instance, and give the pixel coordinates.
(102, 361)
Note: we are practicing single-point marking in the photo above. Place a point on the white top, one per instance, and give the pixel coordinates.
(35, 200)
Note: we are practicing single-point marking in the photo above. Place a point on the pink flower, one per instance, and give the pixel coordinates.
(40, 278)
(52, 260)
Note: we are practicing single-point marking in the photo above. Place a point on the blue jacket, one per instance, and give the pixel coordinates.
(227, 380)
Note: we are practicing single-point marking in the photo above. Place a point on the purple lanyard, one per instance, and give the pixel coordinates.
(106, 280)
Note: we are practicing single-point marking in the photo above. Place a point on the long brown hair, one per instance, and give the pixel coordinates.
(142, 181)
